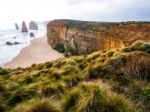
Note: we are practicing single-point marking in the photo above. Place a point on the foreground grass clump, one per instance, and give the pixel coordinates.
(20, 95)
(39, 105)
(95, 97)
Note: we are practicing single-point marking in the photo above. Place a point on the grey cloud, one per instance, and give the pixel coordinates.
(111, 10)
(77, 2)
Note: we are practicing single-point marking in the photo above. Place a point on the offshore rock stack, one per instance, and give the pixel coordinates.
(33, 25)
(17, 27)
(24, 27)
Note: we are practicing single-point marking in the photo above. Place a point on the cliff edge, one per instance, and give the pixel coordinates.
(79, 37)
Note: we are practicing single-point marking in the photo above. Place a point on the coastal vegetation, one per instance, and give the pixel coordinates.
(104, 81)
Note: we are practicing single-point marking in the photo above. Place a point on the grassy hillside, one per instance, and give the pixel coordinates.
(105, 81)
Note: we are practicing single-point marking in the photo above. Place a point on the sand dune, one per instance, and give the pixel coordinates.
(37, 52)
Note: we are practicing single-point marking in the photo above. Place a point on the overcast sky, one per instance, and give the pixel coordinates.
(97, 10)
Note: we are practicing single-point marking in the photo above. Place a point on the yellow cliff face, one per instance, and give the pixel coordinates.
(111, 43)
(87, 40)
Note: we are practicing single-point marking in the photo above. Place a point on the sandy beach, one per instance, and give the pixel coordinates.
(37, 52)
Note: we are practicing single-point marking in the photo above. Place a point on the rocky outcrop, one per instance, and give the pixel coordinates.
(16, 26)
(33, 25)
(12, 43)
(32, 34)
(86, 37)
(24, 27)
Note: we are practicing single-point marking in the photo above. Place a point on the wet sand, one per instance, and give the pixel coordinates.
(38, 51)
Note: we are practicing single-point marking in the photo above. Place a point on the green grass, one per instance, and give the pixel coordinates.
(4, 72)
(3, 107)
(53, 88)
(39, 105)
(20, 95)
(94, 97)
(138, 46)
(124, 82)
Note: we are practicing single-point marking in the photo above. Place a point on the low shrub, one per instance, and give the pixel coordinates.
(4, 71)
(140, 92)
(70, 51)
(60, 47)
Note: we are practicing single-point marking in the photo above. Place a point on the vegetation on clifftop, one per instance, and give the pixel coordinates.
(104, 81)
(94, 26)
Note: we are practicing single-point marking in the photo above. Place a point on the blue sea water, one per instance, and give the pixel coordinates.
(8, 52)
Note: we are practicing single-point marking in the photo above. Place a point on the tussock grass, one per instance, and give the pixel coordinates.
(138, 46)
(2, 87)
(20, 95)
(39, 105)
(3, 107)
(127, 73)
(4, 72)
(93, 56)
(53, 89)
(95, 97)
(67, 61)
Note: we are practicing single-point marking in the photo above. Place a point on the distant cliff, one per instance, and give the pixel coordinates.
(78, 37)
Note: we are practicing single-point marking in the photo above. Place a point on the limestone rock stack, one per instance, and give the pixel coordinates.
(33, 25)
(24, 27)
(17, 27)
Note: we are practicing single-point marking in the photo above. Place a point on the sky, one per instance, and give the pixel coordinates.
(92, 10)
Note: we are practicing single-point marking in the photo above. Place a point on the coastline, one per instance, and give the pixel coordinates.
(38, 51)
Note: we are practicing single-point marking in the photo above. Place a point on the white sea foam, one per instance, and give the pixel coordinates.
(8, 52)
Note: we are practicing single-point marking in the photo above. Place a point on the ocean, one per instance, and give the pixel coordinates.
(8, 52)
